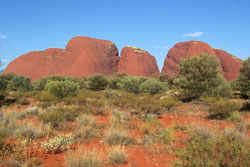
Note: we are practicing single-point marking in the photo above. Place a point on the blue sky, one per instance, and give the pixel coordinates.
(153, 25)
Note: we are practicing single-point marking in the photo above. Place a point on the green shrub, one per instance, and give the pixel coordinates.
(5, 79)
(97, 82)
(168, 102)
(210, 149)
(120, 74)
(234, 117)
(45, 96)
(19, 83)
(82, 82)
(53, 117)
(58, 143)
(223, 108)
(163, 77)
(130, 84)
(3, 95)
(62, 89)
(3, 83)
(153, 86)
(198, 76)
(61, 78)
(242, 82)
(58, 115)
(147, 105)
(113, 81)
(39, 84)
(223, 90)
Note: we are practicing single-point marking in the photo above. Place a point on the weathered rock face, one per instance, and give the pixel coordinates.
(229, 64)
(83, 56)
(135, 61)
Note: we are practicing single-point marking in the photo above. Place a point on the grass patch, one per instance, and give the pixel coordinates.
(28, 131)
(85, 158)
(117, 155)
(210, 148)
(224, 109)
(115, 136)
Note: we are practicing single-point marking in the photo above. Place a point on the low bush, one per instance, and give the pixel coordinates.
(153, 86)
(147, 105)
(168, 102)
(52, 117)
(130, 84)
(151, 127)
(3, 95)
(113, 81)
(58, 143)
(45, 96)
(39, 84)
(116, 136)
(223, 108)
(19, 83)
(85, 158)
(85, 133)
(223, 90)
(28, 131)
(4, 133)
(117, 155)
(234, 117)
(167, 135)
(118, 118)
(210, 149)
(97, 82)
(45, 105)
(94, 102)
(86, 120)
(125, 100)
(58, 115)
(62, 89)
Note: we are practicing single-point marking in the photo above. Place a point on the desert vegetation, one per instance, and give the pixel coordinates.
(195, 118)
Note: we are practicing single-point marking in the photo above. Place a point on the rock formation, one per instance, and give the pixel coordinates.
(135, 61)
(229, 64)
(83, 56)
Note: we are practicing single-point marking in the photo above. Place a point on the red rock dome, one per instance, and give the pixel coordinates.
(135, 61)
(83, 56)
(195, 48)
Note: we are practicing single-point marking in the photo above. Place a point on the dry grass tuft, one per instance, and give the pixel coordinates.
(117, 155)
(85, 158)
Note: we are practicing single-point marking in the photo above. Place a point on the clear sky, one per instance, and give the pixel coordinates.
(153, 25)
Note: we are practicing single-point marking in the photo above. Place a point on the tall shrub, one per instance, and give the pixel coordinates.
(198, 75)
